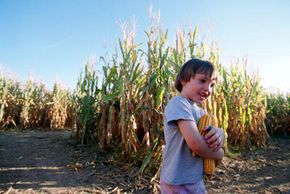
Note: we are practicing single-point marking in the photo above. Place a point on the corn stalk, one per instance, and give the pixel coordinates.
(9, 102)
(32, 103)
(278, 113)
(57, 107)
(86, 96)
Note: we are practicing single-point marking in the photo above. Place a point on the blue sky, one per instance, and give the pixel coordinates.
(53, 39)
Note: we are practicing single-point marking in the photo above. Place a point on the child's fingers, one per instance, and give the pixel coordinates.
(213, 138)
(209, 132)
(216, 145)
(212, 141)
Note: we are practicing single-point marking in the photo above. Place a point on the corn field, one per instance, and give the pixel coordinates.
(277, 115)
(121, 108)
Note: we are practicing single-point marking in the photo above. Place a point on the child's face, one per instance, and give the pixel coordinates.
(199, 88)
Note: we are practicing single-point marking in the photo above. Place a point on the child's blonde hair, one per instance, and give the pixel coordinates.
(191, 68)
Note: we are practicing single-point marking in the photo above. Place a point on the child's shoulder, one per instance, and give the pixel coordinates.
(180, 100)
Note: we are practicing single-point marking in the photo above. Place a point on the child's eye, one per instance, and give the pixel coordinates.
(212, 85)
(202, 80)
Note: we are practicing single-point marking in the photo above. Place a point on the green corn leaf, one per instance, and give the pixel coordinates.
(110, 97)
(148, 157)
(159, 96)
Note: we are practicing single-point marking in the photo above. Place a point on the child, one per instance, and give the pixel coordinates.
(181, 172)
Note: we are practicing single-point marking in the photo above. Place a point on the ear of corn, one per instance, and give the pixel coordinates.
(205, 121)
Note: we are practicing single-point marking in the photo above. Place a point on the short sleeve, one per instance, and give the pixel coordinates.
(179, 108)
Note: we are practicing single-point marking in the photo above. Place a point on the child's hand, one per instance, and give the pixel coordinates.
(214, 138)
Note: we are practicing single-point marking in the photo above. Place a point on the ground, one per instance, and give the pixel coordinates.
(52, 162)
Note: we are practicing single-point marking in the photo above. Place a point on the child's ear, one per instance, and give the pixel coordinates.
(183, 82)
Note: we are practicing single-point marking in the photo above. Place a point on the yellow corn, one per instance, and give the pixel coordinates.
(204, 121)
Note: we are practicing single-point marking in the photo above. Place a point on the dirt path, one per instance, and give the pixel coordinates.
(262, 171)
(51, 162)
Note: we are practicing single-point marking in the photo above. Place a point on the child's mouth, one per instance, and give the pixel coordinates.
(203, 96)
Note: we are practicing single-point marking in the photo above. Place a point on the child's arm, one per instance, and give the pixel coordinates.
(196, 142)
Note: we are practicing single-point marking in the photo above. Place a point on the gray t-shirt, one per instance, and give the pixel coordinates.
(178, 165)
